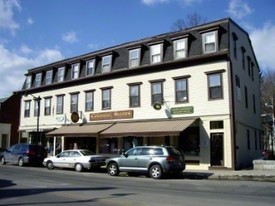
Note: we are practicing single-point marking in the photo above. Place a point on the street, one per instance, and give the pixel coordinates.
(39, 186)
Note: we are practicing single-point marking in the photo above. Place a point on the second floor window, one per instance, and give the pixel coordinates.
(180, 48)
(47, 106)
(106, 63)
(181, 90)
(209, 42)
(27, 108)
(157, 92)
(156, 53)
(106, 98)
(89, 101)
(36, 108)
(134, 97)
(59, 104)
(134, 58)
(37, 82)
(74, 102)
(215, 86)
(60, 74)
(49, 76)
(90, 67)
(75, 71)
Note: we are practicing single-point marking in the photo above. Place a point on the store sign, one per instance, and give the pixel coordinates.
(126, 114)
(182, 110)
(74, 117)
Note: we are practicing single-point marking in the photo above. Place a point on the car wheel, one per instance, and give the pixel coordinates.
(78, 167)
(50, 165)
(20, 162)
(2, 160)
(113, 169)
(155, 172)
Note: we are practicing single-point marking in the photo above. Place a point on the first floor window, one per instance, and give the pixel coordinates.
(59, 104)
(89, 101)
(134, 95)
(47, 107)
(215, 86)
(27, 108)
(74, 102)
(106, 98)
(189, 141)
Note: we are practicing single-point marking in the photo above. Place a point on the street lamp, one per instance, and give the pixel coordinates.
(37, 99)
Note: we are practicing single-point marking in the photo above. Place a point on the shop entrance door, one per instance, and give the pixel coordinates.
(217, 158)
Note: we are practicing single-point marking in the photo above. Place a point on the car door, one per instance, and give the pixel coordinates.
(73, 157)
(61, 160)
(8, 154)
(130, 160)
(145, 158)
(15, 154)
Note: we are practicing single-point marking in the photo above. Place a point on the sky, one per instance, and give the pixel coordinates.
(38, 32)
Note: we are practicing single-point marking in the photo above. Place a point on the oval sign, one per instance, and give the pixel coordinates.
(157, 106)
(74, 117)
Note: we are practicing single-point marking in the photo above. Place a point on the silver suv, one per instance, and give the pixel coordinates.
(155, 160)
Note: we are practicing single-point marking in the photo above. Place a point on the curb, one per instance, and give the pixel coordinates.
(260, 178)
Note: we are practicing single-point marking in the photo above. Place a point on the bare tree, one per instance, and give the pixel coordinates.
(192, 20)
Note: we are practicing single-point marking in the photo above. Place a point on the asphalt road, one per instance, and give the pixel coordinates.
(38, 186)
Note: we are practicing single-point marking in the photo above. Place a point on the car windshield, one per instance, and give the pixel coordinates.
(86, 152)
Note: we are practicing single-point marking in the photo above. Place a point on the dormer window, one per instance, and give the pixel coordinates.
(90, 67)
(49, 75)
(28, 82)
(75, 71)
(134, 57)
(106, 63)
(37, 82)
(209, 41)
(156, 53)
(61, 72)
(180, 48)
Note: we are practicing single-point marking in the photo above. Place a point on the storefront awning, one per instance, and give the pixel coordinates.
(148, 128)
(78, 130)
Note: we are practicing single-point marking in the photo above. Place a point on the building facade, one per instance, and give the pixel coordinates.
(197, 89)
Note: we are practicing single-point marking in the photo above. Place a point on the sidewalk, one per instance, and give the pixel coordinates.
(219, 174)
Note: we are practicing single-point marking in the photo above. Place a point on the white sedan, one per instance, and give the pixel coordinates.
(77, 159)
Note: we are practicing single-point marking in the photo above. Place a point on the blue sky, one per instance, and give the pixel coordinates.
(38, 32)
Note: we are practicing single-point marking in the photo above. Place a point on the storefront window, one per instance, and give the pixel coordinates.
(109, 146)
(189, 141)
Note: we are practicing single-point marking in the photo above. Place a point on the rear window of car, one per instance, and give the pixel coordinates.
(86, 152)
(152, 151)
(174, 151)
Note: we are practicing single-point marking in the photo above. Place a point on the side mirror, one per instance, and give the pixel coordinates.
(125, 155)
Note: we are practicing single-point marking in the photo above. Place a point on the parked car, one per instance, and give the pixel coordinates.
(77, 159)
(155, 160)
(23, 153)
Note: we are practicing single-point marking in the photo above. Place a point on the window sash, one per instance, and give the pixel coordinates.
(106, 63)
(180, 48)
(134, 96)
(38, 79)
(36, 108)
(74, 103)
(28, 82)
(27, 109)
(215, 86)
(106, 99)
(89, 103)
(59, 104)
(209, 42)
(49, 77)
(134, 57)
(157, 95)
(156, 53)
(75, 71)
(47, 107)
(181, 90)
(61, 72)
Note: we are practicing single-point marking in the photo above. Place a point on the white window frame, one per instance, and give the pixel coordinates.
(134, 57)
(74, 103)
(28, 82)
(49, 76)
(178, 48)
(47, 106)
(106, 64)
(75, 71)
(90, 67)
(38, 78)
(27, 108)
(61, 72)
(59, 104)
(156, 53)
(89, 100)
(181, 89)
(106, 97)
(207, 41)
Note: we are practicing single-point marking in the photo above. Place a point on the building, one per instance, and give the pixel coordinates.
(197, 89)
(9, 120)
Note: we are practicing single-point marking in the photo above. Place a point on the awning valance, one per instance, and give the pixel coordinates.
(79, 130)
(148, 128)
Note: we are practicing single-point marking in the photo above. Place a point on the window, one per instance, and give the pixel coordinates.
(90, 67)
(157, 92)
(27, 108)
(36, 107)
(252, 71)
(255, 140)
(254, 103)
(61, 72)
(248, 65)
(49, 75)
(215, 86)
(106, 98)
(243, 57)
(156, 53)
(248, 139)
(134, 97)
(209, 42)
(134, 57)
(106, 63)
(37, 82)
(181, 90)
(235, 38)
(28, 82)
(47, 106)
(75, 71)
(89, 101)
(180, 47)
(246, 96)
(216, 124)
(238, 85)
(74, 102)
(59, 104)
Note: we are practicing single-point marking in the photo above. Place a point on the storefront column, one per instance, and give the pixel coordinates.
(145, 140)
(62, 144)
(54, 145)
